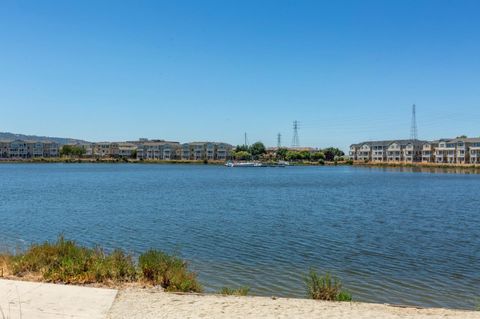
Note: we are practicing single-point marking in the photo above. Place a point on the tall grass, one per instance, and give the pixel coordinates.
(169, 271)
(325, 287)
(64, 261)
(242, 291)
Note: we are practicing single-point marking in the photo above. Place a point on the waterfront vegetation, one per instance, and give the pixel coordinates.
(325, 287)
(64, 261)
(241, 291)
(257, 151)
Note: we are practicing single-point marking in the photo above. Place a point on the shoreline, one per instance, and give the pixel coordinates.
(77, 301)
(147, 301)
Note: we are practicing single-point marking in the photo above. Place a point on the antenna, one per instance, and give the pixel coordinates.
(279, 140)
(413, 128)
(295, 139)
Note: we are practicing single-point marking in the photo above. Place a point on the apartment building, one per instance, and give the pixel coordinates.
(124, 150)
(206, 151)
(24, 149)
(448, 151)
(157, 150)
(4, 149)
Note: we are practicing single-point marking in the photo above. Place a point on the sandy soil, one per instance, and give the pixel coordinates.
(153, 303)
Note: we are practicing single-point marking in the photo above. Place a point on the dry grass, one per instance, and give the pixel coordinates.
(64, 261)
(325, 287)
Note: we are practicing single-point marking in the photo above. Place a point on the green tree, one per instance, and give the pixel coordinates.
(331, 152)
(72, 150)
(240, 148)
(305, 155)
(317, 156)
(257, 149)
(282, 153)
(293, 156)
(242, 155)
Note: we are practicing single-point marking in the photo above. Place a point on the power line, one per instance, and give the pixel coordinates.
(413, 128)
(295, 139)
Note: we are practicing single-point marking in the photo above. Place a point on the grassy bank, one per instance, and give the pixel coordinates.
(64, 261)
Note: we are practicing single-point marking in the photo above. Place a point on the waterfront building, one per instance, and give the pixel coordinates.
(443, 151)
(157, 150)
(102, 149)
(4, 149)
(51, 149)
(428, 151)
(18, 149)
(223, 151)
(124, 150)
(144, 150)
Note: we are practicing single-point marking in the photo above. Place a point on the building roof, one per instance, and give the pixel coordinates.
(388, 142)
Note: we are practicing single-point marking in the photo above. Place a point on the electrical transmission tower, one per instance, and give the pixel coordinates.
(279, 140)
(295, 139)
(413, 128)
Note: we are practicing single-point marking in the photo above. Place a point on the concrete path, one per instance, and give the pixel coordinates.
(34, 300)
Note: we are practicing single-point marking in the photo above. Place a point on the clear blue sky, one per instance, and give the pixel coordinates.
(211, 70)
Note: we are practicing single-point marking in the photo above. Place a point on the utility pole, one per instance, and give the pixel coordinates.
(413, 127)
(295, 139)
(279, 140)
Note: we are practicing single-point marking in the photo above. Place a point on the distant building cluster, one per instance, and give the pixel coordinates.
(28, 149)
(142, 149)
(443, 151)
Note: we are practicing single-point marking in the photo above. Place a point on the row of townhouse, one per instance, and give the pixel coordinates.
(448, 151)
(21, 149)
(452, 151)
(160, 150)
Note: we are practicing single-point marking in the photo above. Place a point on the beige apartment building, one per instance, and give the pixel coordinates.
(447, 151)
(206, 151)
(387, 151)
(24, 149)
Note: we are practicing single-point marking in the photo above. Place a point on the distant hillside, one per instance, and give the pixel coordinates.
(60, 140)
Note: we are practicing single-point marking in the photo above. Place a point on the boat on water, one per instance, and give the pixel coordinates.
(256, 164)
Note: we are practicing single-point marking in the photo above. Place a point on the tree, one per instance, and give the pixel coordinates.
(462, 136)
(133, 154)
(72, 150)
(242, 155)
(331, 152)
(317, 156)
(241, 148)
(257, 149)
(293, 156)
(282, 153)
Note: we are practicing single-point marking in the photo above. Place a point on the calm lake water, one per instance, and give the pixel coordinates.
(391, 236)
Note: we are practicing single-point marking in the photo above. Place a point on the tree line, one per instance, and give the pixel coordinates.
(257, 151)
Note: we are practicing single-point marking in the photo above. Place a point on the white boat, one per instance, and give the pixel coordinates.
(255, 164)
(243, 164)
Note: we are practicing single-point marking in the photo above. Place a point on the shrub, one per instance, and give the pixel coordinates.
(325, 287)
(242, 291)
(169, 271)
(65, 261)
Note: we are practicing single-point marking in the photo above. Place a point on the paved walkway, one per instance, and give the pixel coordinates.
(34, 300)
